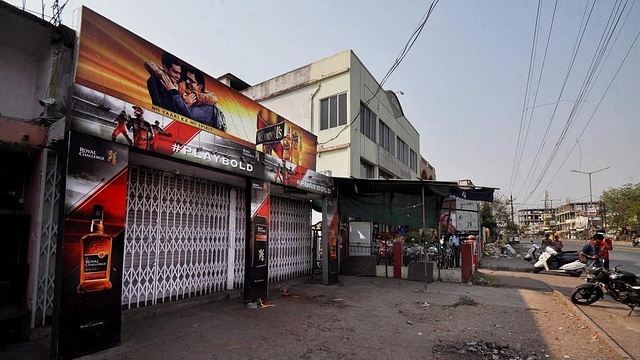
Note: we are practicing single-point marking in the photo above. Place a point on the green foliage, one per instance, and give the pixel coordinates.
(496, 216)
(623, 206)
(465, 301)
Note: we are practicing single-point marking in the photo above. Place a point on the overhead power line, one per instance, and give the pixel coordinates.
(405, 50)
(597, 63)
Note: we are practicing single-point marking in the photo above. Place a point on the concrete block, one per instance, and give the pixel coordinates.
(360, 265)
(417, 271)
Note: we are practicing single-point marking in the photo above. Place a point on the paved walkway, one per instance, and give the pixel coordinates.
(314, 324)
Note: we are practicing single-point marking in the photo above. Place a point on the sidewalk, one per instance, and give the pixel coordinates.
(359, 318)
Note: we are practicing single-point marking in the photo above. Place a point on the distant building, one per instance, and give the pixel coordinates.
(361, 128)
(571, 220)
(427, 171)
(574, 220)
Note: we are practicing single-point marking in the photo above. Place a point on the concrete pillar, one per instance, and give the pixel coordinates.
(467, 261)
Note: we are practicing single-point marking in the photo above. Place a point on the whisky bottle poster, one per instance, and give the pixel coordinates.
(257, 248)
(88, 312)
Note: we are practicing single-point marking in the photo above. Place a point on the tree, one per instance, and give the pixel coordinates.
(623, 206)
(496, 216)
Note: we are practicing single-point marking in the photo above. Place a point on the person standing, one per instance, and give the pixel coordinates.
(122, 122)
(142, 130)
(607, 244)
(454, 243)
(590, 252)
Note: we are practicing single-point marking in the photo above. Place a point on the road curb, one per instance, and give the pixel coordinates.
(601, 333)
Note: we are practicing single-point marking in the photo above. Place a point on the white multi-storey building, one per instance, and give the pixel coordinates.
(361, 128)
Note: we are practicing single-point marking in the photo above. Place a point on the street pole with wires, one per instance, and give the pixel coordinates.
(589, 173)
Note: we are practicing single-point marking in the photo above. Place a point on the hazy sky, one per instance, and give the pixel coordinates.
(464, 80)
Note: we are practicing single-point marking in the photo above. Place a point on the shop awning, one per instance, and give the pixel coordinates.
(400, 202)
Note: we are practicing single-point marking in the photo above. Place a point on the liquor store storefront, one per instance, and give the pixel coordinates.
(161, 204)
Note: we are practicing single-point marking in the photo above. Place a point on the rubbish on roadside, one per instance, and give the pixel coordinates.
(480, 350)
(252, 305)
(409, 322)
(264, 303)
(285, 293)
(499, 250)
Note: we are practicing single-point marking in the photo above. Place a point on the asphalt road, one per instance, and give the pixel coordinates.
(623, 253)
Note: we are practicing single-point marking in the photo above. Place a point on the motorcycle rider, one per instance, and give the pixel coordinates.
(546, 242)
(557, 243)
(590, 252)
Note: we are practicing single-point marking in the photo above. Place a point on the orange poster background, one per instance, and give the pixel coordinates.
(111, 60)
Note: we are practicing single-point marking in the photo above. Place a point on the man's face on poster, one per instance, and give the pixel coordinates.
(174, 72)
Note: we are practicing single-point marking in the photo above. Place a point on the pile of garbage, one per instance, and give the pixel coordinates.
(483, 350)
(498, 249)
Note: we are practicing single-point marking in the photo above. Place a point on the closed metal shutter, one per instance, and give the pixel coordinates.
(289, 239)
(184, 237)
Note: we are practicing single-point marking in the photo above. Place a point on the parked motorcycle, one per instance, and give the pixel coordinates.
(565, 262)
(635, 242)
(620, 285)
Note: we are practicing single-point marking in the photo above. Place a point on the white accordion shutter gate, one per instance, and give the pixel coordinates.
(177, 237)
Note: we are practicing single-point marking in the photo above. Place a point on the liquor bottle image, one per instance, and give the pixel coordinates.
(95, 262)
(295, 154)
(266, 148)
(286, 145)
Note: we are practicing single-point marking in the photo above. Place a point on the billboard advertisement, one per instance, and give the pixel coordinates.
(87, 317)
(257, 254)
(466, 215)
(117, 63)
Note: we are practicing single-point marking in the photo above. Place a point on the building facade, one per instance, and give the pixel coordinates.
(427, 171)
(531, 221)
(36, 63)
(575, 221)
(361, 128)
(119, 194)
(571, 220)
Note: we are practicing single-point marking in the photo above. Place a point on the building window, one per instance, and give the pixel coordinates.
(366, 170)
(367, 122)
(413, 161)
(387, 138)
(333, 111)
(385, 175)
(403, 152)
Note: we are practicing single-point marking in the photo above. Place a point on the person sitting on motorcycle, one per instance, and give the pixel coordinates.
(546, 242)
(590, 252)
(557, 243)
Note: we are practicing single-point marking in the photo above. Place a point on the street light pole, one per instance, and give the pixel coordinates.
(589, 173)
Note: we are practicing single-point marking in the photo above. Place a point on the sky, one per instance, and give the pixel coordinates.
(490, 103)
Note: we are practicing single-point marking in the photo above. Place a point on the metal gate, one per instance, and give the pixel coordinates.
(184, 237)
(290, 240)
(46, 238)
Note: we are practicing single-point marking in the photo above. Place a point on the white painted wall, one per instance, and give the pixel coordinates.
(296, 96)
